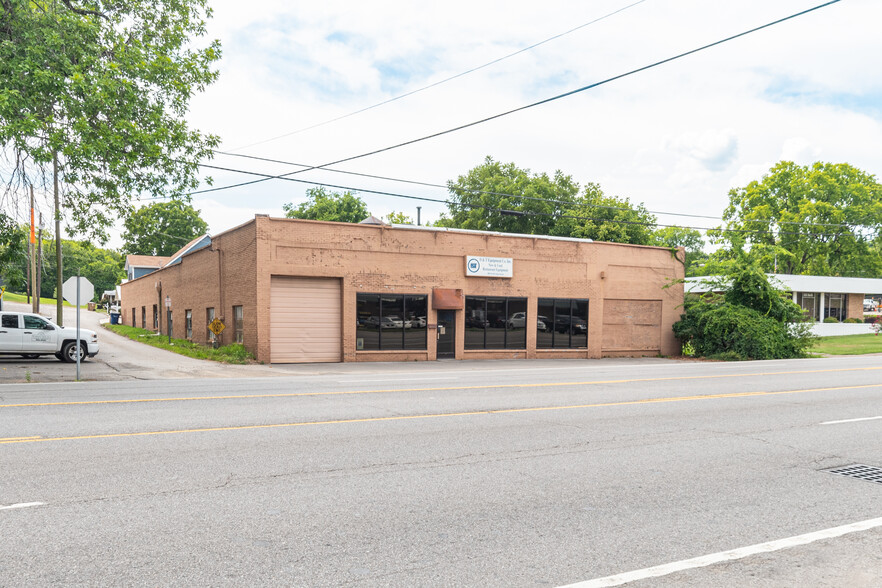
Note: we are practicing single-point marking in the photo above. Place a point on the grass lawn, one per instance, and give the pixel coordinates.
(849, 345)
(234, 353)
(10, 297)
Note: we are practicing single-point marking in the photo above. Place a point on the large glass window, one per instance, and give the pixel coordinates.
(495, 323)
(835, 306)
(562, 323)
(390, 321)
(809, 303)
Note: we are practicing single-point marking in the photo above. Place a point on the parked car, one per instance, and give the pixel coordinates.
(31, 335)
(519, 320)
(869, 305)
(418, 322)
(391, 322)
(564, 322)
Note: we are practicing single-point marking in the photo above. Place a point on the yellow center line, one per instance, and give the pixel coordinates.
(18, 438)
(436, 415)
(434, 389)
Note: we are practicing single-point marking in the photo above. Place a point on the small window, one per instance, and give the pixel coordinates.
(133, 317)
(238, 324)
(143, 317)
(168, 319)
(34, 322)
(188, 320)
(209, 316)
(155, 318)
(10, 321)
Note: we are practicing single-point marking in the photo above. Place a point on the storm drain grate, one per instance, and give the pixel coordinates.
(859, 471)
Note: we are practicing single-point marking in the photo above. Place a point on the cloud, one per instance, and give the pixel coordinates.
(714, 149)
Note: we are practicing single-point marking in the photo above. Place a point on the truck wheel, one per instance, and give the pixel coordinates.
(69, 352)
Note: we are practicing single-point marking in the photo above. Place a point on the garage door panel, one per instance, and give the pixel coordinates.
(305, 320)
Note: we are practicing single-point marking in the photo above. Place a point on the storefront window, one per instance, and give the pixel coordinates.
(835, 306)
(809, 303)
(562, 323)
(390, 321)
(495, 323)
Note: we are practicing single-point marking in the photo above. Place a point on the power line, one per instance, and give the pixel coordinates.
(531, 105)
(445, 80)
(533, 198)
(503, 211)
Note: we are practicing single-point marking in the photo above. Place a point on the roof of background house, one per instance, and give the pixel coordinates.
(796, 283)
(198, 243)
(156, 261)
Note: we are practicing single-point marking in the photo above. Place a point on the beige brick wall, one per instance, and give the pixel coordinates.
(241, 262)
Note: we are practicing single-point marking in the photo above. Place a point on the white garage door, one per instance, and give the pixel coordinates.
(305, 320)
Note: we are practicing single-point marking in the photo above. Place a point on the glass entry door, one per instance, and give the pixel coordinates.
(446, 334)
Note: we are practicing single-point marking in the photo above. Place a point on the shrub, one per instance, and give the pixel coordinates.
(852, 320)
(831, 319)
(753, 320)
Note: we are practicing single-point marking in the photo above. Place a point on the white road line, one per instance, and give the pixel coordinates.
(852, 420)
(21, 505)
(707, 560)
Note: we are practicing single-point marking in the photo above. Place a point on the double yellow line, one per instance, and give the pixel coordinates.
(433, 416)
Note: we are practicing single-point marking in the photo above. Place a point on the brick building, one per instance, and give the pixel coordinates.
(309, 291)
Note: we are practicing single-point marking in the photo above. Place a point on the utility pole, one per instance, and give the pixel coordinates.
(59, 278)
(32, 248)
(39, 280)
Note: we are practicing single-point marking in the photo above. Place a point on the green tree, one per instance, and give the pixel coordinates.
(689, 239)
(822, 219)
(322, 204)
(501, 197)
(103, 267)
(13, 253)
(398, 218)
(162, 228)
(103, 87)
(607, 218)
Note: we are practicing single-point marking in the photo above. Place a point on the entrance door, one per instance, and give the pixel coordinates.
(446, 334)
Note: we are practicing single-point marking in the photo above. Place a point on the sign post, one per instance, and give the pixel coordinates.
(75, 290)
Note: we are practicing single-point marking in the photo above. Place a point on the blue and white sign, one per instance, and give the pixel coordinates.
(489, 267)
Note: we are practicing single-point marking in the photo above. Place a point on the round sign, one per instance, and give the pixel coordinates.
(474, 265)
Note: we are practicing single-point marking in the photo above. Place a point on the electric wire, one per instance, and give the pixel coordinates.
(534, 198)
(533, 104)
(445, 80)
(506, 212)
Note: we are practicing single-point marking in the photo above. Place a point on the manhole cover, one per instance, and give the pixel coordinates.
(859, 471)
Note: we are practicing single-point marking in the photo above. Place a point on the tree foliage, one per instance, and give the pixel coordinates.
(105, 86)
(502, 197)
(103, 267)
(689, 239)
(750, 320)
(13, 251)
(823, 219)
(398, 218)
(325, 205)
(162, 228)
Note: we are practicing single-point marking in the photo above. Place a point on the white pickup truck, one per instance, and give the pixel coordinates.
(31, 335)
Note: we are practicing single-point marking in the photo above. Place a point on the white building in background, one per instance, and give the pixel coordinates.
(822, 297)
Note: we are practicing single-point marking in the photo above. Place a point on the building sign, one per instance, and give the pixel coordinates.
(489, 267)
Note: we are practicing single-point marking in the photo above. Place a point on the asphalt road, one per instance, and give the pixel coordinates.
(455, 473)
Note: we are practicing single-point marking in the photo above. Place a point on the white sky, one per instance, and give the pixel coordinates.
(675, 138)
